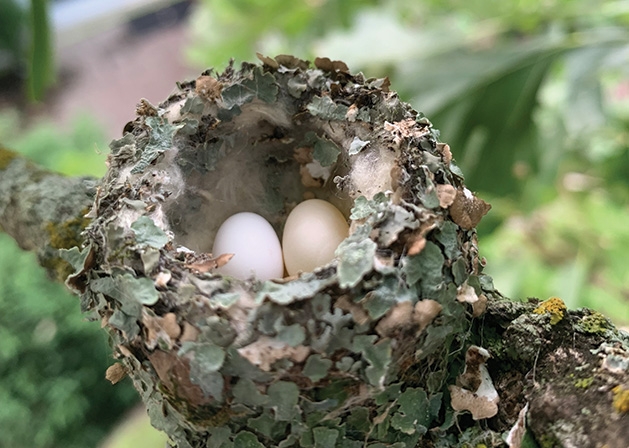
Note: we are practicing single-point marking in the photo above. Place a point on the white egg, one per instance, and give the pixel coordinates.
(312, 232)
(255, 245)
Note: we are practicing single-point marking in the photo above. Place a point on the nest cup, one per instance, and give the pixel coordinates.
(208, 351)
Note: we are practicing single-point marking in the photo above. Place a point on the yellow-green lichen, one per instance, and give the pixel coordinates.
(67, 234)
(6, 157)
(553, 306)
(621, 399)
(548, 441)
(594, 323)
(64, 235)
(583, 383)
(57, 268)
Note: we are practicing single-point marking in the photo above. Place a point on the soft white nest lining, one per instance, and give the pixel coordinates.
(258, 174)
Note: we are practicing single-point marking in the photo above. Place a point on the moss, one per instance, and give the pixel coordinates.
(64, 235)
(57, 267)
(594, 323)
(553, 306)
(547, 441)
(6, 157)
(621, 399)
(67, 234)
(584, 383)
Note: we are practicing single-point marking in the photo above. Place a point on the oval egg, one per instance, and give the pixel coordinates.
(312, 232)
(255, 245)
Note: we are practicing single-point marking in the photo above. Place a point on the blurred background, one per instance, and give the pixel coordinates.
(531, 95)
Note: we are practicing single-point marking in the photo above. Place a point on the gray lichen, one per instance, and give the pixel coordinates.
(359, 352)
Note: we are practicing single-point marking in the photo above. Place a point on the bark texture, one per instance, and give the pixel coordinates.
(401, 341)
(43, 211)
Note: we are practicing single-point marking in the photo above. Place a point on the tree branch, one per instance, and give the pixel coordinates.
(43, 211)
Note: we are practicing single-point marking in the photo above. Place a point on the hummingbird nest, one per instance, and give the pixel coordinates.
(358, 352)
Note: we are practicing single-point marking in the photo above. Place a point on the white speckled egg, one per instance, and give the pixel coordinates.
(312, 232)
(255, 245)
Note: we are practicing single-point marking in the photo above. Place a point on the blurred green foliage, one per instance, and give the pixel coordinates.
(26, 49)
(53, 390)
(530, 95)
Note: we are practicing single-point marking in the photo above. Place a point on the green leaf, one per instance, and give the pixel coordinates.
(146, 232)
(41, 74)
(504, 83)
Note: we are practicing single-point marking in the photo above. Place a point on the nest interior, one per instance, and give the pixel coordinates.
(266, 150)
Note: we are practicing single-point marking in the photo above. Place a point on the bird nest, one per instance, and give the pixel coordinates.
(347, 354)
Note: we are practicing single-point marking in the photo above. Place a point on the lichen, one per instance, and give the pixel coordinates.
(594, 322)
(555, 307)
(66, 234)
(63, 235)
(621, 399)
(584, 383)
(359, 351)
(6, 157)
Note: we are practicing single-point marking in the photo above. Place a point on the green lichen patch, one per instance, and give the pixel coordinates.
(66, 234)
(160, 140)
(327, 109)
(259, 85)
(594, 322)
(6, 157)
(146, 232)
(584, 383)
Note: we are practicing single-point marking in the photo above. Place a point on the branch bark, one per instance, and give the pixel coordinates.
(43, 211)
